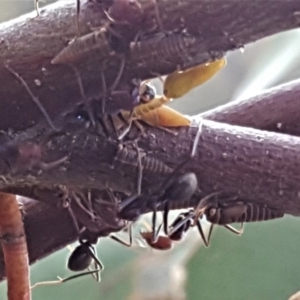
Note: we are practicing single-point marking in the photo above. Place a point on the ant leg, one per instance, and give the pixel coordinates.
(120, 73)
(117, 239)
(155, 233)
(33, 97)
(209, 233)
(104, 88)
(96, 271)
(97, 262)
(140, 127)
(77, 17)
(165, 217)
(86, 103)
(127, 202)
(197, 138)
(82, 207)
(53, 164)
(62, 280)
(90, 207)
(115, 33)
(140, 169)
(236, 231)
(66, 204)
(158, 20)
(179, 224)
(36, 5)
(181, 165)
(205, 241)
(108, 16)
(126, 130)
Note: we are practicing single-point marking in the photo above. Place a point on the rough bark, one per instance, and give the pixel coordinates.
(225, 153)
(29, 45)
(284, 101)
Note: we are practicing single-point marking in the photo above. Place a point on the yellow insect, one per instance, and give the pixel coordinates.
(179, 83)
(155, 113)
(164, 116)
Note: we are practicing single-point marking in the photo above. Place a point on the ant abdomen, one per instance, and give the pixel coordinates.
(183, 188)
(257, 212)
(81, 258)
(240, 212)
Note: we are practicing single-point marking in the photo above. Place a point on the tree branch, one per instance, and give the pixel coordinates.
(216, 26)
(274, 110)
(91, 155)
(54, 226)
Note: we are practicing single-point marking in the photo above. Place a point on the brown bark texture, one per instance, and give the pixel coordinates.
(257, 166)
(14, 247)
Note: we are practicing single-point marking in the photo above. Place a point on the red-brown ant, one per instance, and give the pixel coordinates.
(161, 243)
(218, 213)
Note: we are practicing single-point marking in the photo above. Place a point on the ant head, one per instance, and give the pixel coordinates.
(126, 12)
(212, 215)
(81, 257)
(142, 91)
(147, 92)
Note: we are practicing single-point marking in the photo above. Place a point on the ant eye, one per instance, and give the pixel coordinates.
(212, 212)
(82, 116)
(147, 92)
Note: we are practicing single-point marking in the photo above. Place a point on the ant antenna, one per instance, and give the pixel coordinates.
(33, 97)
(87, 105)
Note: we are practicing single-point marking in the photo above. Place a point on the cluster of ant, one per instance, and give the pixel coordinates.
(112, 216)
(138, 100)
(150, 108)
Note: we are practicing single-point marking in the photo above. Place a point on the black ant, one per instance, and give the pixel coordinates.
(85, 254)
(179, 189)
(220, 214)
(183, 223)
(82, 257)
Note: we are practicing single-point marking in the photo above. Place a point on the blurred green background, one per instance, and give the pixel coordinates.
(261, 264)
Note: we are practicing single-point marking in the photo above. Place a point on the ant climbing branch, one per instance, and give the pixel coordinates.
(45, 45)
